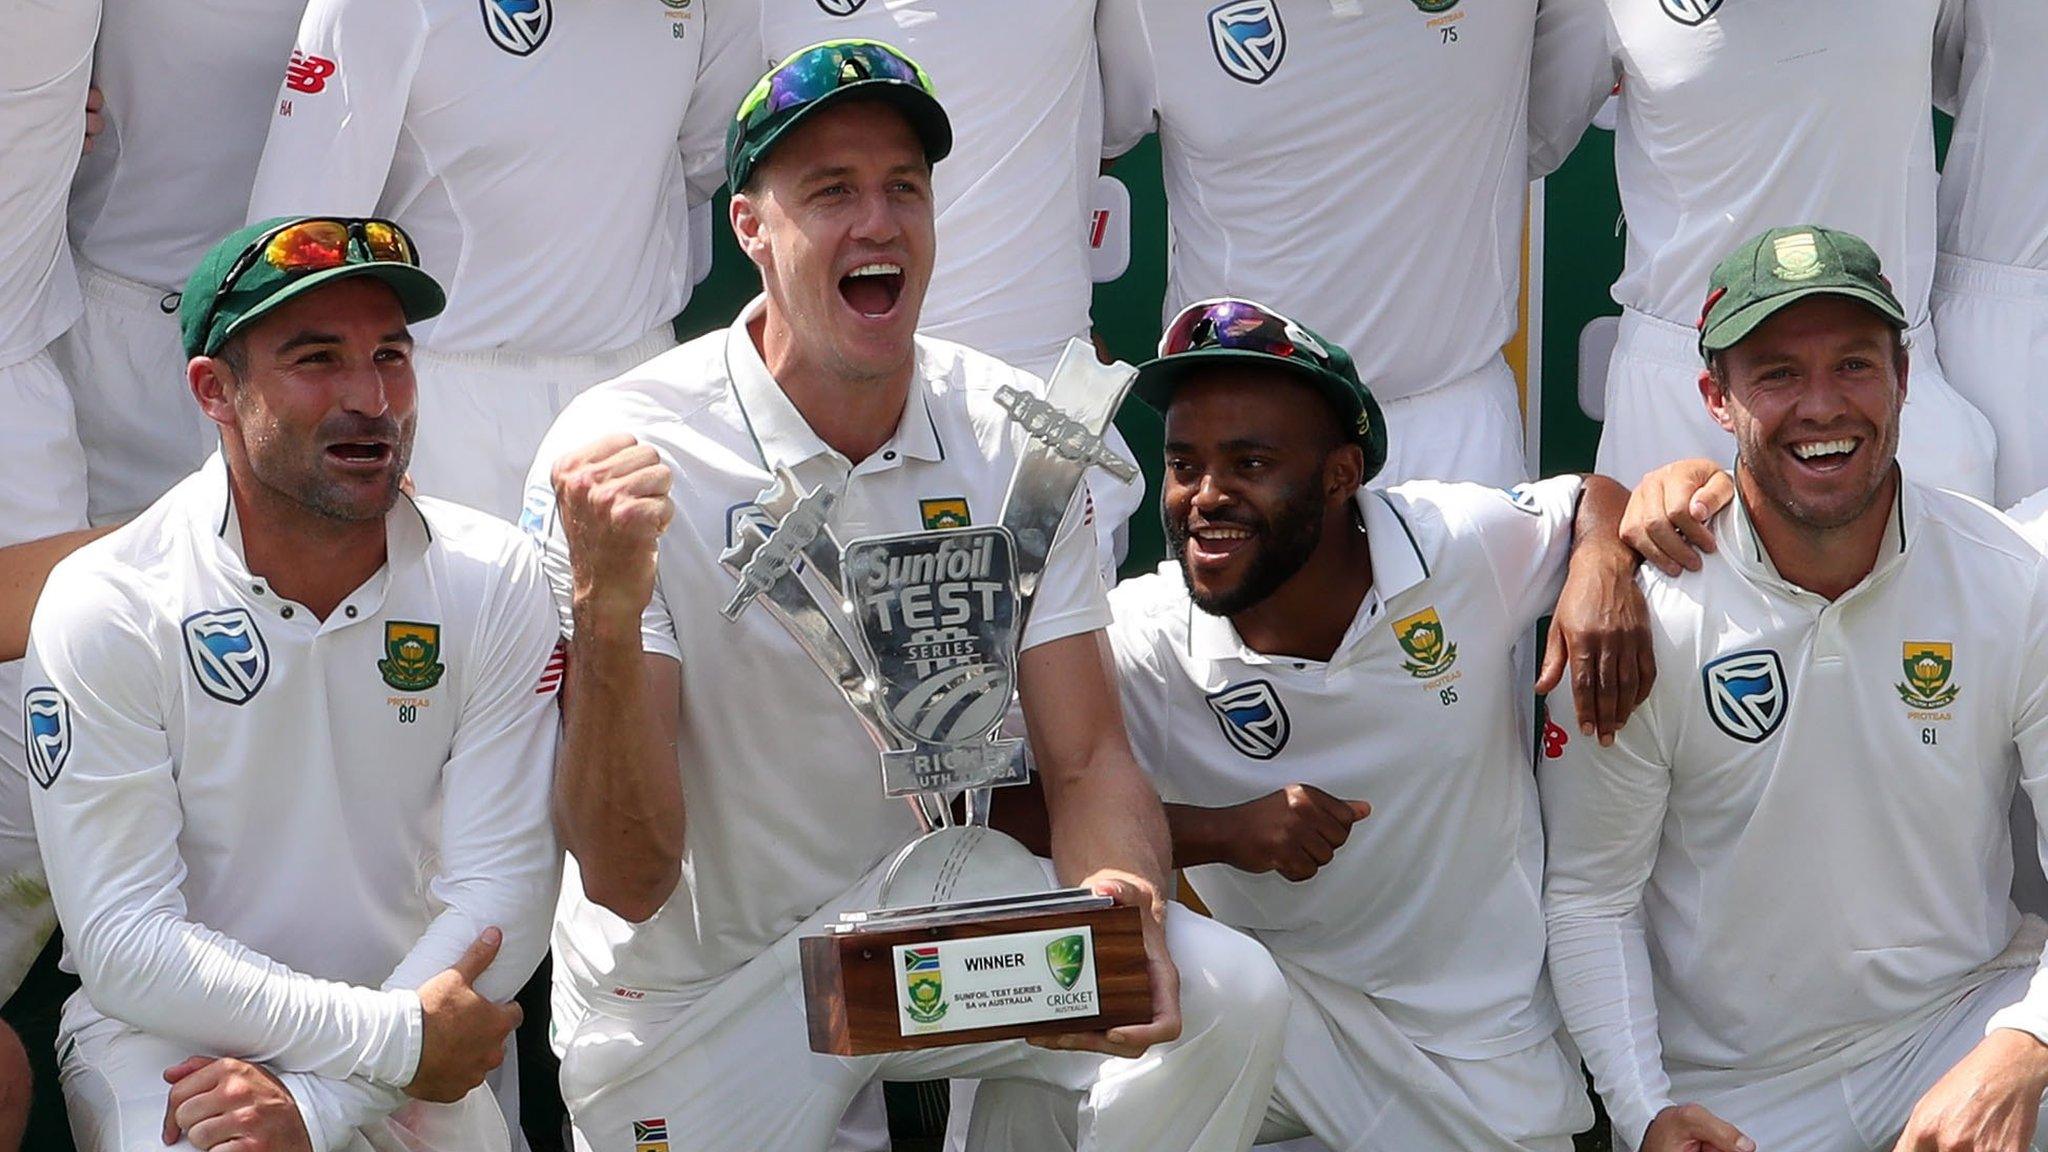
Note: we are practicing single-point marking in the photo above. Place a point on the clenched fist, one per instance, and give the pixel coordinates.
(612, 501)
(1294, 831)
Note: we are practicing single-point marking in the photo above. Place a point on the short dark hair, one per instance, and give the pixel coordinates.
(234, 351)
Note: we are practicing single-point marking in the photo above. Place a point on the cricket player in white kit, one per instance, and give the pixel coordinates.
(717, 796)
(1990, 300)
(1735, 118)
(1778, 904)
(1023, 89)
(1361, 168)
(188, 87)
(545, 156)
(292, 735)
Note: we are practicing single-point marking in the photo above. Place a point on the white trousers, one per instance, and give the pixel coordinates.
(114, 1094)
(1992, 321)
(1468, 429)
(733, 1071)
(1352, 1081)
(141, 429)
(1865, 1105)
(1655, 414)
(482, 415)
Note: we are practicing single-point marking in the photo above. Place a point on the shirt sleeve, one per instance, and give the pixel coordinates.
(1573, 71)
(95, 709)
(336, 124)
(2030, 733)
(1130, 92)
(1526, 535)
(1070, 597)
(1951, 44)
(1603, 811)
(731, 63)
(1138, 679)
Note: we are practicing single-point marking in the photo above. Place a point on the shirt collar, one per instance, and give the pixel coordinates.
(1746, 549)
(1397, 566)
(785, 439)
(406, 533)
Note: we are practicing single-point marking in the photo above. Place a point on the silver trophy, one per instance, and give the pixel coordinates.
(920, 630)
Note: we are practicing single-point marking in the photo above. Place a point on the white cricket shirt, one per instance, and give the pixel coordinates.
(782, 785)
(1020, 84)
(253, 820)
(45, 62)
(188, 87)
(544, 162)
(1431, 905)
(1798, 847)
(1362, 172)
(1991, 70)
(1735, 118)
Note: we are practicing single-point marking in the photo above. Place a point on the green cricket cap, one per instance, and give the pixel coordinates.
(1784, 266)
(236, 281)
(821, 76)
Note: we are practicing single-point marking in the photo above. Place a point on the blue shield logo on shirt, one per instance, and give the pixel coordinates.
(518, 26)
(46, 730)
(227, 654)
(1252, 718)
(1691, 12)
(1248, 39)
(841, 7)
(1746, 694)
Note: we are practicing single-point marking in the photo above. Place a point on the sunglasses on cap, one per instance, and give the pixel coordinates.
(823, 69)
(1242, 326)
(317, 245)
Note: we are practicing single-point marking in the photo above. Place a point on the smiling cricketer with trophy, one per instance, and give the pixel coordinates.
(830, 479)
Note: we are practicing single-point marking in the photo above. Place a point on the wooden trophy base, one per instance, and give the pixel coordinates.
(926, 980)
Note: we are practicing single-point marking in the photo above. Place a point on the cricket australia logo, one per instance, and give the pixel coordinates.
(1928, 666)
(1746, 694)
(1421, 636)
(1252, 718)
(518, 26)
(924, 987)
(227, 654)
(1065, 956)
(46, 732)
(1248, 38)
(411, 656)
(1691, 12)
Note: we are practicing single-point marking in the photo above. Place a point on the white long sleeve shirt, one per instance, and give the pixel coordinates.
(1991, 70)
(549, 190)
(45, 58)
(262, 830)
(1798, 847)
(1756, 116)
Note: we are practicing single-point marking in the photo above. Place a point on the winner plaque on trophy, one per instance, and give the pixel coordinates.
(920, 632)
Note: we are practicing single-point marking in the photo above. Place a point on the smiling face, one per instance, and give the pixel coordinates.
(1813, 398)
(315, 400)
(839, 219)
(1256, 472)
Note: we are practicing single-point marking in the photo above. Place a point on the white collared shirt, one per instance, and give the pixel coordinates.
(1431, 905)
(1798, 846)
(782, 784)
(1991, 70)
(253, 820)
(45, 60)
(545, 170)
(1361, 171)
(1738, 117)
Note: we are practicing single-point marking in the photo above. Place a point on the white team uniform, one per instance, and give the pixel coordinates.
(544, 164)
(1025, 99)
(1395, 137)
(45, 57)
(694, 1018)
(187, 88)
(1990, 300)
(1752, 116)
(264, 830)
(1784, 891)
(1422, 1017)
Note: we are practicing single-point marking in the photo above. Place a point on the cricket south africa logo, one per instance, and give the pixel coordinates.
(411, 656)
(518, 26)
(1421, 636)
(1691, 12)
(1797, 256)
(1252, 718)
(841, 7)
(1746, 694)
(227, 654)
(924, 988)
(1248, 38)
(1928, 665)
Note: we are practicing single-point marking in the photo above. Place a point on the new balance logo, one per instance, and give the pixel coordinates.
(307, 73)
